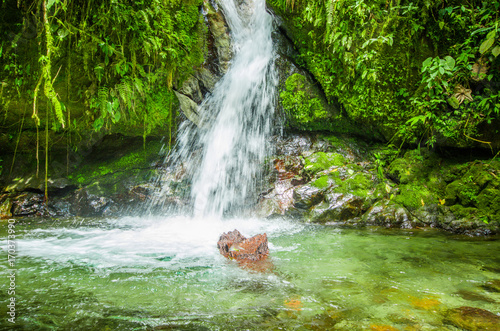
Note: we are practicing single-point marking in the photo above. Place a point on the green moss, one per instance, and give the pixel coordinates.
(322, 182)
(489, 200)
(452, 191)
(464, 212)
(321, 161)
(116, 168)
(301, 103)
(359, 184)
(414, 196)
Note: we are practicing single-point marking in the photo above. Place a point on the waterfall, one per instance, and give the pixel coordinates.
(236, 118)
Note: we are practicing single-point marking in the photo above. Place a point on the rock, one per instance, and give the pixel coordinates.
(492, 286)
(206, 79)
(307, 196)
(470, 318)
(233, 245)
(293, 145)
(278, 201)
(191, 89)
(189, 108)
(29, 204)
(388, 213)
(88, 205)
(338, 207)
(222, 42)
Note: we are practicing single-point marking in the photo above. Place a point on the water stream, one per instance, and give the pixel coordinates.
(165, 272)
(236, 119)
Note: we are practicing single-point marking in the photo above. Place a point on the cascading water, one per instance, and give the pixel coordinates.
(236, 118)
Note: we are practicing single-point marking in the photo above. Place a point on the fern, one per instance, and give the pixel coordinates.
(102, 99)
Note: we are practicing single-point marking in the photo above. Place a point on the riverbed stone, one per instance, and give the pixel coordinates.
(473, 319)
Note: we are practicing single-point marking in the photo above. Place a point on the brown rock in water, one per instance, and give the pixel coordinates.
(233, 245)
(471, 318)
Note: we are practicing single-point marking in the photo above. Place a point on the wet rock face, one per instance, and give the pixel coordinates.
(340, 180)
(217, 61)
(233, 245)
(389, 214)
(470, 318)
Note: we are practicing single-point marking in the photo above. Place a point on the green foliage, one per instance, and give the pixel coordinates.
(300, 102)
(415, 69)
(117, 57)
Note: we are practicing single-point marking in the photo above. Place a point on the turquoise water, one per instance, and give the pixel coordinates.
(167, 274)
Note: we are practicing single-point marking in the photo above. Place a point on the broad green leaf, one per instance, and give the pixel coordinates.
(441, 25)
(427, 62)
(441, 70)
(98, 123)
(495, 51)
(486, 45)
(450, 62)
(491, 35)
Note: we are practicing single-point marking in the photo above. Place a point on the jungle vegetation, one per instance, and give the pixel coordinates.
(421, 71)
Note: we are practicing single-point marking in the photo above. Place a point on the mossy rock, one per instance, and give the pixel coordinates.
(303, 104)
(321, 161)
(323, 182)
(489, 199)
(415, 196)
(359, 184)
(414, 166)
(462, 212)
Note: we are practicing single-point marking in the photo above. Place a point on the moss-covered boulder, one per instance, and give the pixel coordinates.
(303, 105)
(389, 214)
(323, 161)
(337, 207)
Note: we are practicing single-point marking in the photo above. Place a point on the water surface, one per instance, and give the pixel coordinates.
(166, 273)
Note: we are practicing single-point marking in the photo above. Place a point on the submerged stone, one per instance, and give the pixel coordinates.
(471, 318)
(492, 286)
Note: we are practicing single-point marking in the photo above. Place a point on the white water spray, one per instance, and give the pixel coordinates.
(237, 118)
